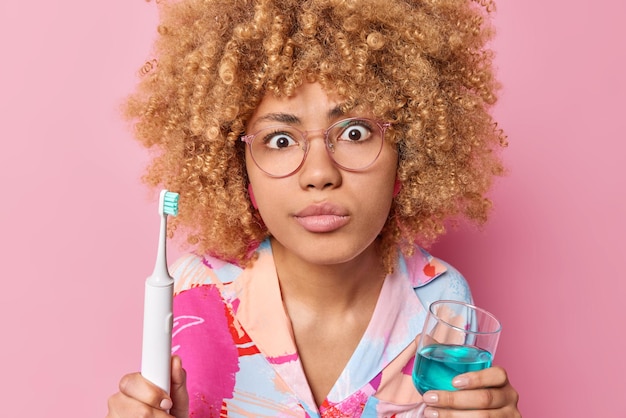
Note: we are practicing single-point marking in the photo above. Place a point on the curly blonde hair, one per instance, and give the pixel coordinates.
(422, 65)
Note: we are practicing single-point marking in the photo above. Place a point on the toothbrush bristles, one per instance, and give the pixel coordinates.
(170, 203)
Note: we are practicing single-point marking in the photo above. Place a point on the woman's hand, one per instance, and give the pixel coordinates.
(483, 394)
(140, 398)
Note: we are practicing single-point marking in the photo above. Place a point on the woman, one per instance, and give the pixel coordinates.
(315, 145)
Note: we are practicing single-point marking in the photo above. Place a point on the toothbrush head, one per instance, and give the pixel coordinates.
(168, 203)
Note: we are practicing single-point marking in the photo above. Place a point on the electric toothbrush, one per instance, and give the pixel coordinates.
(157, 318)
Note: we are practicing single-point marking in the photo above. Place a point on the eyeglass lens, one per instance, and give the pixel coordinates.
(353, 144)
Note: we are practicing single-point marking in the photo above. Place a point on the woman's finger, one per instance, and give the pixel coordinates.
(479, 399)
(179, 393)
(490, 377)
(135, 386)
(122, 406)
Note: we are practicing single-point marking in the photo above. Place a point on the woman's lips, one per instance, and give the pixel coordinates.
(322, 223)
(322, 218)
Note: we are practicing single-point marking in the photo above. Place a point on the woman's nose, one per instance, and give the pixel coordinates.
(319, 170)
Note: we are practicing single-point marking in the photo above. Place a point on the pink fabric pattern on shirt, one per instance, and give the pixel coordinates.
(213, 377)
(351, 407)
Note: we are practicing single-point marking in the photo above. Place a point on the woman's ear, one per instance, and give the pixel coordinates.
(397, 186)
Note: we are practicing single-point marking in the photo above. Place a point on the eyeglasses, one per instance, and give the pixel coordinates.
(353, 144)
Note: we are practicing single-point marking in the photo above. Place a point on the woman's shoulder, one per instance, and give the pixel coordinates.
(435, 279)
(193, 270)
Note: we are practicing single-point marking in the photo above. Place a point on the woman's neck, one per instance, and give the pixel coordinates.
(334, 287)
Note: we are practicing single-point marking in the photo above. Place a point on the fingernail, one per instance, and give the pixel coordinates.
(431, 397)
(460, 382)
(431, 413)
(166, 404)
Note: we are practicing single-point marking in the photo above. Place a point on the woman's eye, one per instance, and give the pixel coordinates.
(356, 132)
(279, 140)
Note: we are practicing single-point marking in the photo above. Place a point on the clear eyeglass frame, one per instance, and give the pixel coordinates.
(348, 155)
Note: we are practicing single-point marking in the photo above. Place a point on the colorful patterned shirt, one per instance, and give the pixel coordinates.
(237, 345)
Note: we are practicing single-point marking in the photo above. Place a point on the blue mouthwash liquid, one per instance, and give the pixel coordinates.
(436, 365)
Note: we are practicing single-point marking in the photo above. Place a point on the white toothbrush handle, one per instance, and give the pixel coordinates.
(157, 333)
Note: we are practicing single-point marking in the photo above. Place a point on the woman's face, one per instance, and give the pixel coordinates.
(321, 214)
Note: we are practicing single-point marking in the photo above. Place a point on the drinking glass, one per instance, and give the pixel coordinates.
(457, 338)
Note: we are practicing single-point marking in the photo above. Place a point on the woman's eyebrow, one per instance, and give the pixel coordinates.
(292, 119)
(335, 112)
(280, 117)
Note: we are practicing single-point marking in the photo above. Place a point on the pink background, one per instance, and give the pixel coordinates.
(78, 230)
